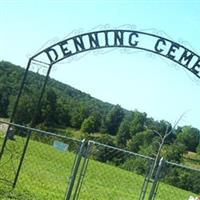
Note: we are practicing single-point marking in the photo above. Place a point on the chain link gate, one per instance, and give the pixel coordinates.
(104, 172)
(107, 172)
(59, 167)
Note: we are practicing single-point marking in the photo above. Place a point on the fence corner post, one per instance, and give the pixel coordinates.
(156, 179)
(75, 170)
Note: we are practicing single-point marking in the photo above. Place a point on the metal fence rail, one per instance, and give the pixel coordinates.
(178, 182)
(46, 168)
(42, 165)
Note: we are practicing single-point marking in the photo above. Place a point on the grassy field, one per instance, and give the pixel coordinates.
(46, 172)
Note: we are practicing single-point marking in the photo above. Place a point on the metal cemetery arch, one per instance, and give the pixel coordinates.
(99, 40)
(120, 38)
(112, 39)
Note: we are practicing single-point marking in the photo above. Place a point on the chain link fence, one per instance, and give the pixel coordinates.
(178, 182)
(59, 167)
(112, 173)
(9, 160)
(46, 168)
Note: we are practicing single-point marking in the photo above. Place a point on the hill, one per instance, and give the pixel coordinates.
(64, 107)
(10, 80)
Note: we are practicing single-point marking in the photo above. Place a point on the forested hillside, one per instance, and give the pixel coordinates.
(63, 106)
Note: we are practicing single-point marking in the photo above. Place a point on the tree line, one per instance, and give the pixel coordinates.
(63, 106)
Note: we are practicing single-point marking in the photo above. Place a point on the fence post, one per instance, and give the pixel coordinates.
(83, 170)
(156, 179)
(75, 170)
(147, 179)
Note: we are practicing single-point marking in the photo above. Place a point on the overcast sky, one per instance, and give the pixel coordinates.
(133, 79)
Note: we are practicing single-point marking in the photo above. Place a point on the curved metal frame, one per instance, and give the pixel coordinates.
(117, 31)
(33, 58)
(79, 46)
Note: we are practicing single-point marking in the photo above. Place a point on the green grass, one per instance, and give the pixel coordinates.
(46, 171)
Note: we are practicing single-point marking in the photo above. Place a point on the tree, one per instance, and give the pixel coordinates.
(143, 138)
(135, 164)
(162, 138)
(137, 122)
(25, 110)
(62, 114)
(160, 127)
(49, 108)
(104, 153)
(123, 134)
(189, 136)
(198, 149)
(173, 152)
(4, 102)
(78, 114)
(89, 125)
(113, 119)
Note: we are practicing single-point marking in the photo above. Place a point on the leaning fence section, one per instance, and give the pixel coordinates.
(112, 173)
(46, 167)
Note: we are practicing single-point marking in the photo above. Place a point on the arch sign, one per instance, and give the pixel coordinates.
(99, 40)
(122, 38)
(108, 39)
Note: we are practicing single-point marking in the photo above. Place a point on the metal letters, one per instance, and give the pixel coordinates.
(122, 38)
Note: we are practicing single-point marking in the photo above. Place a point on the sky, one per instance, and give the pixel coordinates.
(133, 79)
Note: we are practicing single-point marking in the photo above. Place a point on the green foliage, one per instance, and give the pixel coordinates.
(61, 105)
(49, 108)
(182, 178)
(198, 149)
(78, 115)
(173, 152)
(136, 164)
(4, 102)
(148, 150)
(65, 107)
(137, 122)
(143, 138)
(25, 110)
(190, 137)
(132, 124)
(124, 134)
(62, 114)
(104, 154)
(161, 127)
(89, 125)
(113, 119)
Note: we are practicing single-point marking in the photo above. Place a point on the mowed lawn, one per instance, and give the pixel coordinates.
(46, 172)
